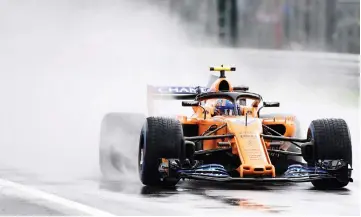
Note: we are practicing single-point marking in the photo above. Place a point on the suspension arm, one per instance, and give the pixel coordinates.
(282, 138)
(285, 152)
(192, 138)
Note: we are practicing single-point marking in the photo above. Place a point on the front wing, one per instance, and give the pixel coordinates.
(257, 180)
(217, 173)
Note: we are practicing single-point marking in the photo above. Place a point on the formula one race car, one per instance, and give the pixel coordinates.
(227, 139)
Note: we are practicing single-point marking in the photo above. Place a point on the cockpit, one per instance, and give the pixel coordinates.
(228, 103)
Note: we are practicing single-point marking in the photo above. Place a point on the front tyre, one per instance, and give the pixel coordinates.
(160, 138)
(332, 141)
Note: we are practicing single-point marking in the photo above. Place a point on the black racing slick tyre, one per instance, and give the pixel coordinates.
(160, 138)
(331, 141)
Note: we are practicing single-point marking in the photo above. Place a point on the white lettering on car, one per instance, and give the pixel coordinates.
(173, 89)
(192, 90)
(180, 89)
(183, 89)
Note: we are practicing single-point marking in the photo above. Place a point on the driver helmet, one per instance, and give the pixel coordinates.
(224, 107)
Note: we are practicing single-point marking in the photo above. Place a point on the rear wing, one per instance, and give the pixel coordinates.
(182, 92)
(171, 93)
(175, 92)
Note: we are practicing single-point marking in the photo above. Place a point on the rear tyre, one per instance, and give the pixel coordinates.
(332, 141)
(160, 138)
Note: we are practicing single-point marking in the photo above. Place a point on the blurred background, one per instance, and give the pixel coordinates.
(313, 25)
(65, 64)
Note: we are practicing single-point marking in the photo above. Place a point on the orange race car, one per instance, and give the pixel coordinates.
(227, 139)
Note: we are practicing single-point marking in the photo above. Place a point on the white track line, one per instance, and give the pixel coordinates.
(54, 199)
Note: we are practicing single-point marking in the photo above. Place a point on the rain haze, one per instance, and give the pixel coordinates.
(64, 65)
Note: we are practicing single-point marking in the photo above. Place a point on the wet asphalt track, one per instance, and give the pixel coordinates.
(57, 82)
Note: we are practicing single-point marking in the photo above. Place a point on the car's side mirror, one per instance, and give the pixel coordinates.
(240, 88)
(271, 104)
(268, 104)
(190, 103)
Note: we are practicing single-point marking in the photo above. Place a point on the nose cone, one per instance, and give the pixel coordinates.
(251, 149)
